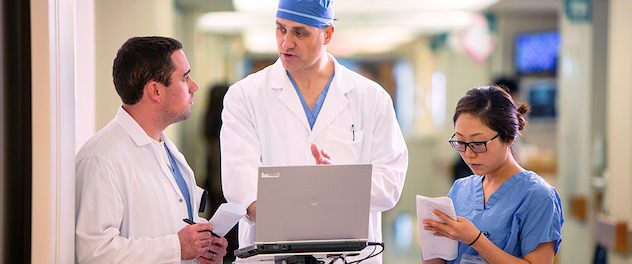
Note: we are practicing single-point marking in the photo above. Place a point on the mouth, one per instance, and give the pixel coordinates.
(287, 55)
(473, 165)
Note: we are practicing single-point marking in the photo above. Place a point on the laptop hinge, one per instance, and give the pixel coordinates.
(314, 241)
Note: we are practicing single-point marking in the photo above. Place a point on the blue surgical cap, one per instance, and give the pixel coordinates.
(315, 13)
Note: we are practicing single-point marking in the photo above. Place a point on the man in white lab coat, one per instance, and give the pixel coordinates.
(133, 186)
(282, 114)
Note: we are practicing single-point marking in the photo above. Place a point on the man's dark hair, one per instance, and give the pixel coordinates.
(140, 60)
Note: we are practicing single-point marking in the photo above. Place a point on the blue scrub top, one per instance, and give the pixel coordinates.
(177, 175)
(524, 212)
(313, 114)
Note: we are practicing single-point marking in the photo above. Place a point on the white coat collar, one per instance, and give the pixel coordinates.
(140, 138)
(343, 84)
(335, 101)
(134, 130)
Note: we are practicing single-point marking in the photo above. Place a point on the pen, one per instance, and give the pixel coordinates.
(353, 131)
(188, 221)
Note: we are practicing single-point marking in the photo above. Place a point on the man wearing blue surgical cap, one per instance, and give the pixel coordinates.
(282, 114)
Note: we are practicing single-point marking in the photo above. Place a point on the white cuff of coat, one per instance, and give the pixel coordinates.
(176, 247)
(246, 202)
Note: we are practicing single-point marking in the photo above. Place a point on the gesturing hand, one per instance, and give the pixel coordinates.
(460, 230)
(322, 156)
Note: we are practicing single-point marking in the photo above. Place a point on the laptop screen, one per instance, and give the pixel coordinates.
(313, 203)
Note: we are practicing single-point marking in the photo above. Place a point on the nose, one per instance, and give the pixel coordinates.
(193, 86)
(287, 42)
(469, 152)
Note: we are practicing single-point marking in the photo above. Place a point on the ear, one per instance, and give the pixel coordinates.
(329, 33)
(153, 91)
(510, 143)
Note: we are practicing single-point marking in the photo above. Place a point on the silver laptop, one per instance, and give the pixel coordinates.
(318, 208)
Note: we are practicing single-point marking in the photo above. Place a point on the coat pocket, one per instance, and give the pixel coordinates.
(345, 145)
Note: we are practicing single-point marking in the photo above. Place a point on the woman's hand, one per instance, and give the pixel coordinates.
(460, 230)
(465, 231)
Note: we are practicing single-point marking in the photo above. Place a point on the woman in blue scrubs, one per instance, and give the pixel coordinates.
(505, 214)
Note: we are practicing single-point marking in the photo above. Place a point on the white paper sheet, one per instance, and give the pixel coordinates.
(226, 216)
(435, 246)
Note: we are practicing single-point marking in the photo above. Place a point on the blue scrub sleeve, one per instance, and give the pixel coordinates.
(542, 224)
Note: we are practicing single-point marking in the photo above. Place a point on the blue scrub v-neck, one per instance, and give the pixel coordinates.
(313, 114)
(180, 181)
(497, 195)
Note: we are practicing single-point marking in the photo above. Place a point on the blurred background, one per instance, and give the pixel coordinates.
(570, 59)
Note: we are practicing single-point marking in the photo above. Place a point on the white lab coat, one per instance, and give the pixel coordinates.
(129, 208)
(264, 124)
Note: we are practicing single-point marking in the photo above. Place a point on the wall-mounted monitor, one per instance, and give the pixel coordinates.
(541, 94)
(536, 52)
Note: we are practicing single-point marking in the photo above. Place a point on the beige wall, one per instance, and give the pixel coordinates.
(115, 22)
(619, 108)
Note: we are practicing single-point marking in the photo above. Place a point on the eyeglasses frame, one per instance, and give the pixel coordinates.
(468, 144)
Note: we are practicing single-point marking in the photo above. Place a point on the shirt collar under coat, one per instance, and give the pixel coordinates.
(335, 101)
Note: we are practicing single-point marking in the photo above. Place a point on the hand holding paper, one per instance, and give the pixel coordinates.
(435, 246)
(226, 216)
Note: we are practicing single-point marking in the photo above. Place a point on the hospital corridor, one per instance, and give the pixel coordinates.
(570, 60)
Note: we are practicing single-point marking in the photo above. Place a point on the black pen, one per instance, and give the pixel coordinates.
(353, 131)
(188, 221)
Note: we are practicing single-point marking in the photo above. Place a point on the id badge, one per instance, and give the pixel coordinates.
(472, 259)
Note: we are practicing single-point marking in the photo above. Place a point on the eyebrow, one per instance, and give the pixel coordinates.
(472, 135)
(186, 73)
(294, 27)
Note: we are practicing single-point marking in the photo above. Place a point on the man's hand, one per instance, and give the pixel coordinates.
(322, 157)
(217, 251)
(252, 211)
(195, 240)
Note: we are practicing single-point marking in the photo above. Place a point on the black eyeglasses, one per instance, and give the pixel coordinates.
(475, 146)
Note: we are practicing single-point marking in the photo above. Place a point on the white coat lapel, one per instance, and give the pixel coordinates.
(167, 171)
(288, 95)
(335, 101)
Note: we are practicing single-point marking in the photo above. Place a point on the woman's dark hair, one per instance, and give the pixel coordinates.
(140, 60)
(495, 108)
